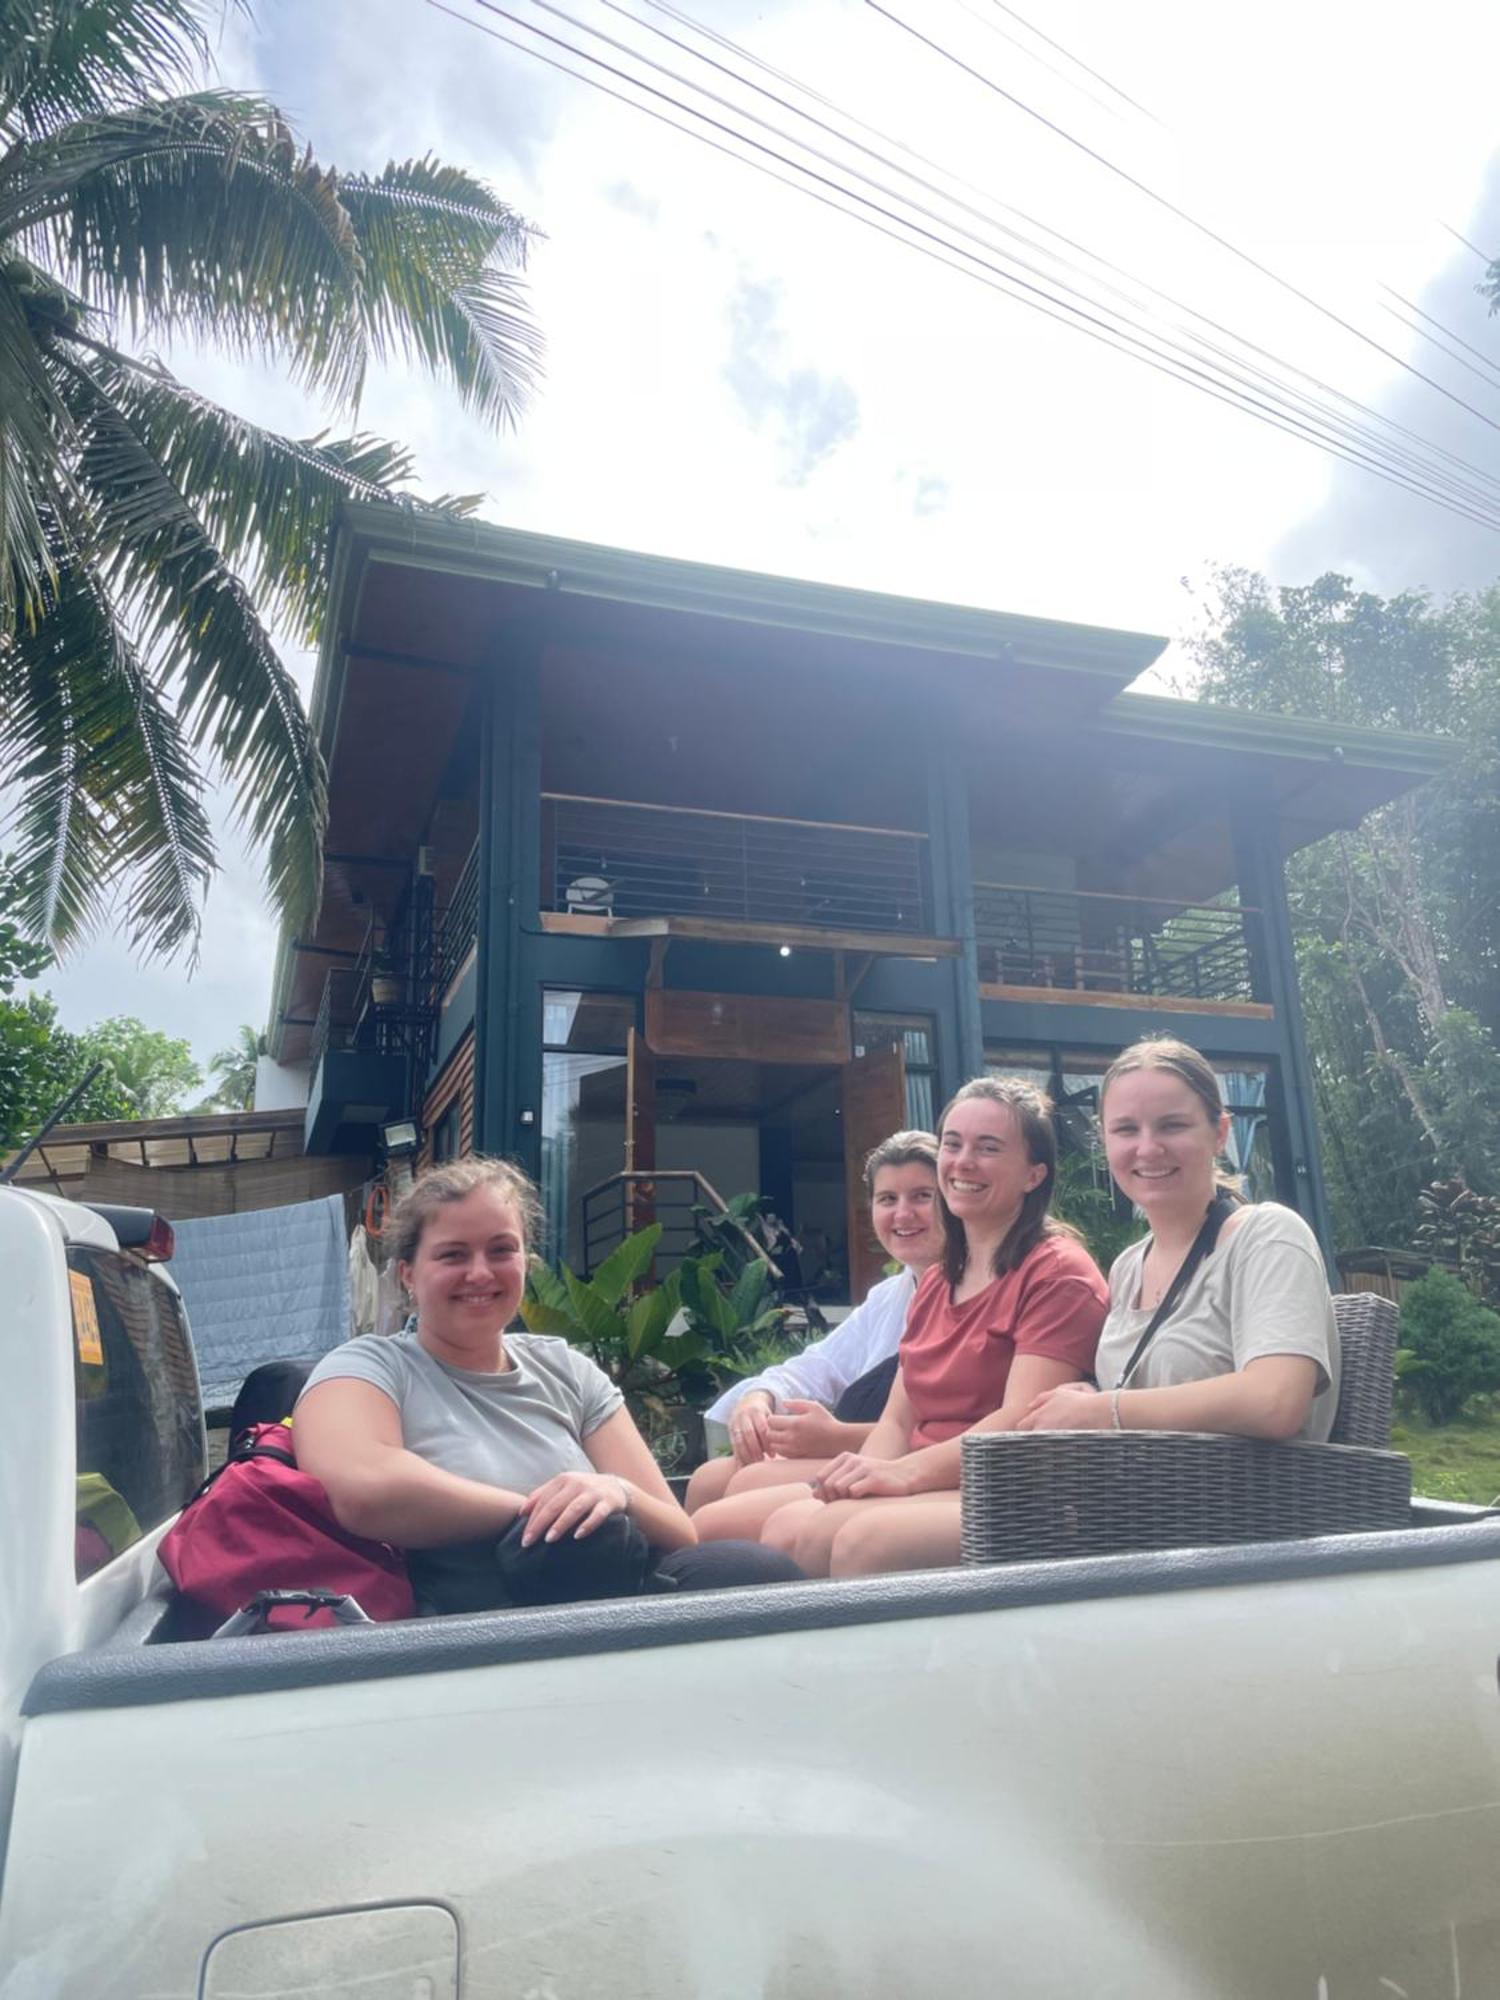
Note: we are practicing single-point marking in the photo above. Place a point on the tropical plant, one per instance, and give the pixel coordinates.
(736, 1324)
(235, 1069)
(629, 1337)
(1084, 1196)
(40, 1063)
(148, 537)
(1463, 1228)
(1450, 1346)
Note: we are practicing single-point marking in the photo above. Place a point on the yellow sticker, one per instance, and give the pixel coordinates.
(85, 1320)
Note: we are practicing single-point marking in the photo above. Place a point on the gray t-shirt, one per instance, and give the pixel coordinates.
(1263, 1290)
(513, 1430)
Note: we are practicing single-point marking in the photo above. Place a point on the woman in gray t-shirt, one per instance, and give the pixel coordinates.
(1250, 1346)
(461, 1431)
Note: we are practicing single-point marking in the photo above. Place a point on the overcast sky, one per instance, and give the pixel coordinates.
(736, 374)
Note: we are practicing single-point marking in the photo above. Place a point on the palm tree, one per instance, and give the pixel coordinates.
(149, 538)
(235, 1069)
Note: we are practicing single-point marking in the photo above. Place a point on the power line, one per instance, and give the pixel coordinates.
(1032, 29)
(1172, 208)
(1477, 352)
(1483, 255)
(1412, 461)
(1424, 481)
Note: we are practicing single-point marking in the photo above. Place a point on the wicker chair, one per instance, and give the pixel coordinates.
(1034, 1495)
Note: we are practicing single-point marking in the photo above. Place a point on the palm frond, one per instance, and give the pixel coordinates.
(198, 215)
(195, 620)
(67, 59)
(269, 502)
(440, 252)
(36, 435)
(108, 793)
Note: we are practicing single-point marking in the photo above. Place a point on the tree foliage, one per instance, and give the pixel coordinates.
(1450, 1346)
(234, 1067)
(39, 1064)
(148, 537)
(1397, 922)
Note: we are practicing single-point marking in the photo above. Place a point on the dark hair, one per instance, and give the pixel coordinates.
(902, 1149)
(1181, 1060)
(1032, 1110)
(454, 1181)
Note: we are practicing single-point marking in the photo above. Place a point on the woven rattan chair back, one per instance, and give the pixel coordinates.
(1368, 1326)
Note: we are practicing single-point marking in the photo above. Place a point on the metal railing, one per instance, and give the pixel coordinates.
(1087, 942)
(387, 1000)
(458, 927)
(623, 1203)
(619, 858)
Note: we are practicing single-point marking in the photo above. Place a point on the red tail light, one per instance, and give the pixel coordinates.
(160, 1242)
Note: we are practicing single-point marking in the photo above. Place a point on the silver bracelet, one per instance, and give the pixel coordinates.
(1114, 1409)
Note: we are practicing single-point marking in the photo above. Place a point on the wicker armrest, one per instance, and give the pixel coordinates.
(1034, 1495)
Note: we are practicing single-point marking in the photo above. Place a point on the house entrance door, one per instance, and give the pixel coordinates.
(873, 1106)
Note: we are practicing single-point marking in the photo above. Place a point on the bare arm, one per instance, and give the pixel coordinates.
(934, 1468)
(1267, 1398)
(618, 1448)
(348, 1436)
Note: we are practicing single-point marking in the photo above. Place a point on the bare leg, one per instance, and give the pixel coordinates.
(739, 1517)
(710, 1482)
(776, 1472)
(919, 1533)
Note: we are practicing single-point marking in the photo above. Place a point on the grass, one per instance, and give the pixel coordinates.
(1458, 1461)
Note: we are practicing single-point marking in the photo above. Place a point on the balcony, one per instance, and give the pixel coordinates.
(623, 861)
(1104, 950)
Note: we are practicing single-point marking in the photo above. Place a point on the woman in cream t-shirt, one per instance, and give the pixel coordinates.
(1250, 1347)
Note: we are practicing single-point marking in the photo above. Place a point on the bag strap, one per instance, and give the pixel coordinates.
(1219, 1210)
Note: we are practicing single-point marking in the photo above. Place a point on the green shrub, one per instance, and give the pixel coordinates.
(1450, 1346)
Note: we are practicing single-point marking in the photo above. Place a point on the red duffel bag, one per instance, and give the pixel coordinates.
(258, 1524)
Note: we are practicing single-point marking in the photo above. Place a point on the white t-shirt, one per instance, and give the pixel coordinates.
(1262, 1290)
(821, 1373)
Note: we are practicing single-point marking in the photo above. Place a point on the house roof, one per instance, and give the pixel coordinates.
(420, 595)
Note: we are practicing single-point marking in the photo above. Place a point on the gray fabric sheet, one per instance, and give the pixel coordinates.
(272, 1285)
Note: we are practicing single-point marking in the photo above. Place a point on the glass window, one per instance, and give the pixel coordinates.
(583, 1108)
(445, 1135)
(912, 1034)
(140, 1429)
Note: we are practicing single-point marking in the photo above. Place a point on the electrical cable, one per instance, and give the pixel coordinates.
(1172, 208)
(1426, 481)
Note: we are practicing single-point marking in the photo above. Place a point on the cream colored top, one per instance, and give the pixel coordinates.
(1263, 1290)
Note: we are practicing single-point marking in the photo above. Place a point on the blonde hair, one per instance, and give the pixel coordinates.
(902, 1149)
(1182, 1060)
(1032, 1110)
(455, 1181)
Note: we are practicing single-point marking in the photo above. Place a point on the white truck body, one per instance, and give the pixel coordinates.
(1254, 1773)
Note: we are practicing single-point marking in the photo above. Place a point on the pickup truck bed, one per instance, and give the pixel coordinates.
(1264, 1771)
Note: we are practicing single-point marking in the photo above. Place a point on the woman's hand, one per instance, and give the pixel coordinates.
(1075, 1406)
(804, 1430)
(749, 1422)
(853, 1476)
(572, 1503)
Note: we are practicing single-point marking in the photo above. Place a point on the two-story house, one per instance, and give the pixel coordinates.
(640, 871)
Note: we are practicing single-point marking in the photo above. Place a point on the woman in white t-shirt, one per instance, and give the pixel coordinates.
(1250, 1347)
(785, 1417)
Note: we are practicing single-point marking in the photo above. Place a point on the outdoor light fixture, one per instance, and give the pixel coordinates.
(786, 951)
(400, 1136)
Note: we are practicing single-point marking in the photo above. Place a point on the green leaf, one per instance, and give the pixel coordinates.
(597, 1318)
(632, 1260)
(650, 1316)
(542, 1318)
(547, 1287)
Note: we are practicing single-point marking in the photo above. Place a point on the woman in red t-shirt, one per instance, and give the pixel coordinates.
(1014, 1310)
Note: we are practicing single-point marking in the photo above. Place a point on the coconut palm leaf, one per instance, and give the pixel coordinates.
(117, 204)
(194, 617)
(64, 61)
(269, 502)
(434, 243)
(108, 789)
(36, 488)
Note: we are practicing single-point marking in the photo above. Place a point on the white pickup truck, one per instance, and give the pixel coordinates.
(1249, 1774)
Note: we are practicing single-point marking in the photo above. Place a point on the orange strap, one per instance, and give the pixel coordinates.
(376, 1209)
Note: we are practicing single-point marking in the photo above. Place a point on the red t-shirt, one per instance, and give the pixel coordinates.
(955, 1360)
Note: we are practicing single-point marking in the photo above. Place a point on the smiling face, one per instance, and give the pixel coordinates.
(469, 1269)
(904, 1210)
(1160, 1141)
(984, 1169)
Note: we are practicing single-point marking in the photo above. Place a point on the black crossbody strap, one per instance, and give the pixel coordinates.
(1219, 1210)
